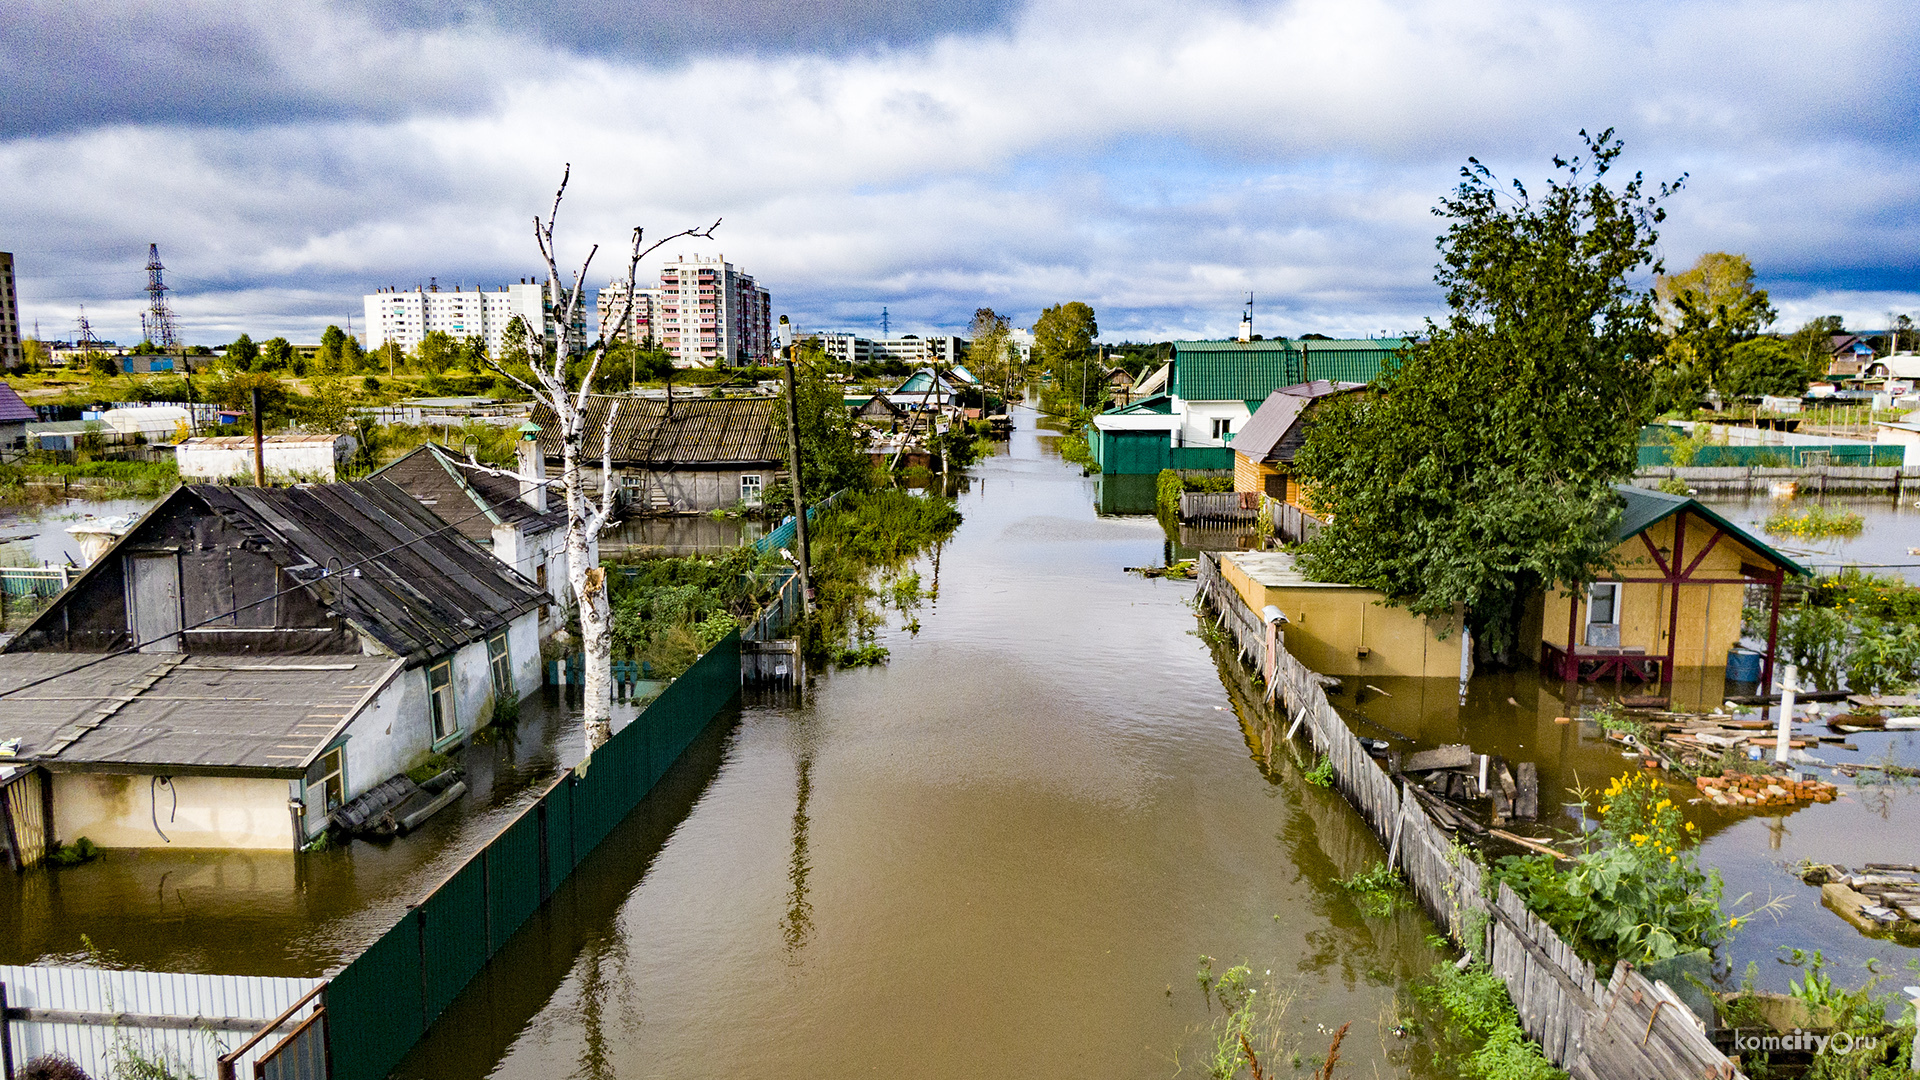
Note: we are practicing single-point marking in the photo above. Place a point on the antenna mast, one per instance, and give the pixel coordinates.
(884, 331)
(156, 323)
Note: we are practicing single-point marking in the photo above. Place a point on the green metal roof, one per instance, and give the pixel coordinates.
(1232, 370)
(1358, 360)
(1647, 508)
(1158, 403)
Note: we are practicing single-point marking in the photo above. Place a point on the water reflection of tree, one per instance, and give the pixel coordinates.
(796, 927)
(602, 971)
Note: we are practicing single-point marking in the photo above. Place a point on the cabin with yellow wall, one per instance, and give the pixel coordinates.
(1672, 600)
(1343, 629)
(1263, 451)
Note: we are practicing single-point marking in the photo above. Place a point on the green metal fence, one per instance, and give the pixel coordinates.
(1786, 455)
(382, 1003)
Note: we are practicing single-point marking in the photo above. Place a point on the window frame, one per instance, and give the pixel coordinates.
(500, 666)
(759, 486)
(1223, 428)
(332, 776)
(1612, 604)
(442, 712)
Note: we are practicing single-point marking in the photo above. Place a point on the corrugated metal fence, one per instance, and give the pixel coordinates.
(1627, 1029)
(109, 1021)
(382, 1003)
(783, 534)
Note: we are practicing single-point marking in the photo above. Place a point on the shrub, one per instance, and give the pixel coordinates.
(1815, 523)
(52, 1067)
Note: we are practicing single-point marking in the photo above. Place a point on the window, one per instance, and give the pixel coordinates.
(329, 774)
(502, 666)
(1603, 603)
(446, 722)
(1223, 428)
(750, 488)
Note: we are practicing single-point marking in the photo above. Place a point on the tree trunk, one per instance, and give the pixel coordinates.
(589, 585)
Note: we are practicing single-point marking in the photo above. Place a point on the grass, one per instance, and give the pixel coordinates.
(1378, 890)
(1321, 775)
(1481, 1021)
(1815, 523)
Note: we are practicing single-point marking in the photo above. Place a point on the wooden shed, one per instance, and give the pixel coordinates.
(1263, 451)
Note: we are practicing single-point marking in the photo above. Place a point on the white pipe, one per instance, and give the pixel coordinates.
(1785, 731)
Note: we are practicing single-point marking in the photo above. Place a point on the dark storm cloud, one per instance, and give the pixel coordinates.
(66, 67)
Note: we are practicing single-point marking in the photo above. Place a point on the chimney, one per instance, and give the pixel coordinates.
(533, 466)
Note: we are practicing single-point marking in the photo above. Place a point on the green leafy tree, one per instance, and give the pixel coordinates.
(328, 359)
(352, 357)
(1063, 343)
(1764, 365)
(437, 352)
(832, 458)
(1706, 311)
(276, 354)
(242, 354)
(992, 357)
(1812, 344)
(1482, 467)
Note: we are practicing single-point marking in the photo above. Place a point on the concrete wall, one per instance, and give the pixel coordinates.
(1328, 625)
(1709, 615)
(119, 811)
(307, 460)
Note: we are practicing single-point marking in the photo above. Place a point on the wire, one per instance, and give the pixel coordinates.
(137, 646)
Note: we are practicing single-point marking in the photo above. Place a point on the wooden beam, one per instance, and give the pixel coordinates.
(1655, 552)
(1704, 552)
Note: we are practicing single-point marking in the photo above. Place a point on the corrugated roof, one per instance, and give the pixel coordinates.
(231, 442)
(12, 408)
(1277, 415)
(704, 431)
(1232, 370)
(1646, 508)
(455, 489)
(217, 714)
(1357, 360)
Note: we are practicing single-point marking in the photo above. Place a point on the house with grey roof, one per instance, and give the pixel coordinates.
(15, 415)
(244, 662)
(680, 457)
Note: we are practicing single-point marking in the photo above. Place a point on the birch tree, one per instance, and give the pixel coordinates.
(563, 382)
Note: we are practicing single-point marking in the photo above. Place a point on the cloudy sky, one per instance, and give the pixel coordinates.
(1155, 160)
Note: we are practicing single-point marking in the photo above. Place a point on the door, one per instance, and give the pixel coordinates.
(153, 602)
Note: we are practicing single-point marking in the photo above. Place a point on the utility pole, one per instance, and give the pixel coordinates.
(259, 447)
(799, 500)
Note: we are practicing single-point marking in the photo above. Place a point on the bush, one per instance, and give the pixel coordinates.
(1481, 1014)
(1815, 523)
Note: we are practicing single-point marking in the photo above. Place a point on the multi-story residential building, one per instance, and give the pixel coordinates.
(641, 323)
(711, 314)
(10, 354)
(846, 348)
(407, 317)
(944, 349)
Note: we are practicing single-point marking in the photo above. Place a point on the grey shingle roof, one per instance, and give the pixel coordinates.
(454, 489)
(723, 431)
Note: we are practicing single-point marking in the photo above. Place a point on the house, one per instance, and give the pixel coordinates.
(245, 661)
(1673, 599)
(930, 389)
(880, 411)
(524, 525)
(1849, 355)
(66, 434)
(1899, 367)
(1210, 391)
(1343, 630)
(15, 415)
(287, 458)
(684, 457)
(1263, 452)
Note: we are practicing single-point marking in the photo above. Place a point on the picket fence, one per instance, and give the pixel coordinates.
(1628, 1028)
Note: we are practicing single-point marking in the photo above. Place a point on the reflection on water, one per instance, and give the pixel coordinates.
(678, 535)
(998, 855)
(1892, 530)
(38, 536)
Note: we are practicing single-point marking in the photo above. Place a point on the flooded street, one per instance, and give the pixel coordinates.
(1000, 854)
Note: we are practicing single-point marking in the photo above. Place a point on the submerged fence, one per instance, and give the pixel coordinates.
(383, 1002)
(1628, 1028)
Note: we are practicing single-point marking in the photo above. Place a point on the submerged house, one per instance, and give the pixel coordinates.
(245, 661)
(1673, 600)
(1210, 392)
(1264, 451)
(524, 525)
(681, 457)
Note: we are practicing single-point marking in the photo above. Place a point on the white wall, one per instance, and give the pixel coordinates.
(1197, 424)
(202, 462)
(118, 811)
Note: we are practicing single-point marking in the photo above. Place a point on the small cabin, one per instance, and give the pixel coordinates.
(1264, 450)
(1672, 599)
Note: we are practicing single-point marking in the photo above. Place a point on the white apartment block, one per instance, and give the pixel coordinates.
(407, 317)
(642, 321)
(911, 351)
(711, 314)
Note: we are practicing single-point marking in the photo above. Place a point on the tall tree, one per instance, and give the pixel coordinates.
(1481, 467)
(991, 356)
(1813, 343)
(1063, 343)
(242, 354)
(560, 374)
(1706, 311)
(331, 357)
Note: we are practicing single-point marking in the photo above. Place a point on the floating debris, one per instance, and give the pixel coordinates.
(1736, 789)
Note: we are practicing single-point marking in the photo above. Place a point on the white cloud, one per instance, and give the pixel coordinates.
(1158, 162)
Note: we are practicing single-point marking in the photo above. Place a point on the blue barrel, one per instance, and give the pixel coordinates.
(1743, 666)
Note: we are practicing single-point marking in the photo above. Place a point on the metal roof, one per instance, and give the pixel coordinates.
(1646, 508)
(12, 408)
(704, 431)
(1232, 370)
(1279, 413)
(235, 442)
(1358, 360)
(207, 714)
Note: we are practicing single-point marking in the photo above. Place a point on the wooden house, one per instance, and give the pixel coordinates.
(1263, 452)
(681, 457)
(1672, 600)
(879, 411)
(244, 662)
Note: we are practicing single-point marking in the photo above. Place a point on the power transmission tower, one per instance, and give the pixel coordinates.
(156, 323)
(85, 333)
(886, 331)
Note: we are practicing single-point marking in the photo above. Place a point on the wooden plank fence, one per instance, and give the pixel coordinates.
(1625, 1029)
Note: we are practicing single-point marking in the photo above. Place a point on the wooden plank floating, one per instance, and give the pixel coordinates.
(1624, 1029)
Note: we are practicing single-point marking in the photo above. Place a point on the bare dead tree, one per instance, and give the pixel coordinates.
(552, 383)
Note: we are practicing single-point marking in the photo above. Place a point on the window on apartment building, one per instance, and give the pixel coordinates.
(446, 722)
(502, 666)
(750, 488)
(329, 774)
(1223, 428)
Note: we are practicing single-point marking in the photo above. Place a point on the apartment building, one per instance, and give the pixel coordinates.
(641, 323)
(943, 349)
(407, 317)
(711, 314)
(10, 354)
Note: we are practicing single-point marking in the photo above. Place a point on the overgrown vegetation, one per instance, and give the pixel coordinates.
(1378, 890)
(1483, 1026)
(1321, 775)
(31, 477)
(667, 612)
(1815, 523)
(80, 851)
(1171, 484)
(861, 554)
(1635, 892)
(1855, 1019)
(1853, 627)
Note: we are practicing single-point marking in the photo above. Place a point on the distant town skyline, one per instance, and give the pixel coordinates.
(927, 158)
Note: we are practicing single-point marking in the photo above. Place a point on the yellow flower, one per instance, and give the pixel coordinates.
(1639, 839)
(1733, 923)
(1673, 858)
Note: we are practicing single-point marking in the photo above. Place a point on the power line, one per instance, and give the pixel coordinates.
(327, 572)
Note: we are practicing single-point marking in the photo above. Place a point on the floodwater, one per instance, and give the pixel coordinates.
(1001, 854)
(685, 535)
(38, 536)
(1885, 546)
